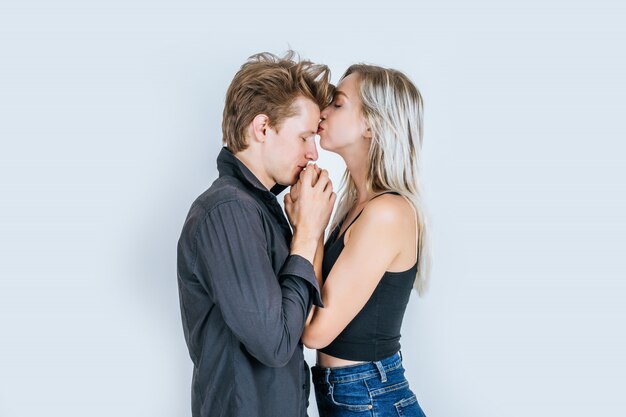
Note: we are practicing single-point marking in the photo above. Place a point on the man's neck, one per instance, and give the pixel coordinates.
(252, 163)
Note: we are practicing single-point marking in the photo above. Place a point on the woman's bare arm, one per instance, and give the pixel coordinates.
(373, 245)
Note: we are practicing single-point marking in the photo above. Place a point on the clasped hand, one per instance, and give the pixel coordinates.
(309, 203)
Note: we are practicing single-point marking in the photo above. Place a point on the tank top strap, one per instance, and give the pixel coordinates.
(361, 212)
(386, 192)
(353, 220)
(358, 215)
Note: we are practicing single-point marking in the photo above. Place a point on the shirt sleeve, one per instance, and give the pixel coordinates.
(265, 312)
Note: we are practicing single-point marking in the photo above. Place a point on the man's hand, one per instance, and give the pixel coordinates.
(291, 198)
(294, 191)
(310, 212)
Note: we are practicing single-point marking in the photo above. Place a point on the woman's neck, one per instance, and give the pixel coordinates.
(357, 166)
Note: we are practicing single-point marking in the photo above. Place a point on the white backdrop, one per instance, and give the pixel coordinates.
(110, 116)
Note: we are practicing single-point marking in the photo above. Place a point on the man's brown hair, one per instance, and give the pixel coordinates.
(268, 84)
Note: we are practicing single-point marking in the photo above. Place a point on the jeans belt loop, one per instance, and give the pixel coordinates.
(381, 370)
(327, 380)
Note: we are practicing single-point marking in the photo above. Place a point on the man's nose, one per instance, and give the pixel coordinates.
(311, 151)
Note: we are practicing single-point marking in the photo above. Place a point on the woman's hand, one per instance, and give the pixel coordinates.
(308, 200)
(294, 192)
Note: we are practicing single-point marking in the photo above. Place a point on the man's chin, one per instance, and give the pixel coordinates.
(288, 183)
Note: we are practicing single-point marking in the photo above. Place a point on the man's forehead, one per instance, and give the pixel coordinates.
(307, 119)
(304, 104)
(301, 125)
(311, 125)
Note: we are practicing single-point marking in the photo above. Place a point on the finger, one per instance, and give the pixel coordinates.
(319, 172)
(308, 176)
(323, 180)
(315, 170)
(328, 191)
(329, 186)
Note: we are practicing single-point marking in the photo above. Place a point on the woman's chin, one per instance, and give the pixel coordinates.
(325, 145)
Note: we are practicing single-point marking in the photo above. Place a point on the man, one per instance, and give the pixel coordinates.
(246, 283)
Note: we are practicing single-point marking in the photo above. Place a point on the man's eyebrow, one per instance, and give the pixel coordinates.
(337, 92)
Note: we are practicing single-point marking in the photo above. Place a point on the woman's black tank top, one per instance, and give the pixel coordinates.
(374, 333)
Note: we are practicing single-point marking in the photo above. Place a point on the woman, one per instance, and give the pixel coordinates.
(377, 250)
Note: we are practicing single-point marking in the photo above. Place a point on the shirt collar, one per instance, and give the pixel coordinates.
(228, 164)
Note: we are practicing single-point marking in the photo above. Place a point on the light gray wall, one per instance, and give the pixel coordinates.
(110, 124)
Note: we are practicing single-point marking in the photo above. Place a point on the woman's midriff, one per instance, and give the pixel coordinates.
(328, 361)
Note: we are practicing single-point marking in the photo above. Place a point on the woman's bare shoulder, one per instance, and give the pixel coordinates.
(389, 211)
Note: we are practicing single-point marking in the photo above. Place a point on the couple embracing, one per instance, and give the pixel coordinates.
(256, 283)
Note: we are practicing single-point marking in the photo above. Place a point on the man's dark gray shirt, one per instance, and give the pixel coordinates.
(244, 300)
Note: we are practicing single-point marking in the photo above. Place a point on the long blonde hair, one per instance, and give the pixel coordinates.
(393, 109)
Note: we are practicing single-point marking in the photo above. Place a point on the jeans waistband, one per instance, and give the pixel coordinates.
(356, 372)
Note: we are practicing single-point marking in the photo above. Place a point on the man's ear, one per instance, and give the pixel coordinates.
(260, 124)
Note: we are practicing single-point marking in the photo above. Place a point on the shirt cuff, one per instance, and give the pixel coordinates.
(297, 266)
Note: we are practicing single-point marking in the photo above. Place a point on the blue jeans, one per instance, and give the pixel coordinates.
(376, 389)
